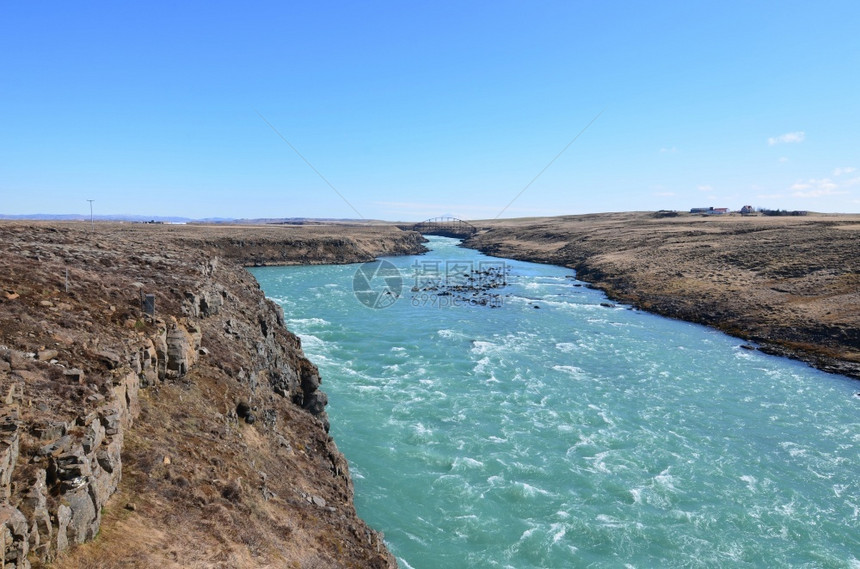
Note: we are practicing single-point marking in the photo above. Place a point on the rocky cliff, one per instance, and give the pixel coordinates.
(302, 245)
(152, 396)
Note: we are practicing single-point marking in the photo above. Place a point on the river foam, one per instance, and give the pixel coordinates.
(575, 435)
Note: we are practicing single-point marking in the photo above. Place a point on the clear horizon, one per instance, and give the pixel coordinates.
(144, 218)
(405, 112)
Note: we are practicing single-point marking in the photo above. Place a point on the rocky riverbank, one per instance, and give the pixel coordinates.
(254, 245)
(190, 435)
(790, 285)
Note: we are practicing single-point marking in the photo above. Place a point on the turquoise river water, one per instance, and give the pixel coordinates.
(573, 434)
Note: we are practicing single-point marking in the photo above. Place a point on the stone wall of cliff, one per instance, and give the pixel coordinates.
(205, 409)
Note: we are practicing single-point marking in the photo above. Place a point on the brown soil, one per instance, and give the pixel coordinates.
(200, 487)
(298, 244)
(789, 284)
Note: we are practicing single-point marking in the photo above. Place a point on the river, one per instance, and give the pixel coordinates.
(536, 424)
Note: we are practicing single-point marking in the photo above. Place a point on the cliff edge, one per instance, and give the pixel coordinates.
(152, 396)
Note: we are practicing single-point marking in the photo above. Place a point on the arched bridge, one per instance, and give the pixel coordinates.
(446, 227)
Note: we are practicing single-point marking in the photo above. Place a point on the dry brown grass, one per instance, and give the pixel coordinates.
(788, 281)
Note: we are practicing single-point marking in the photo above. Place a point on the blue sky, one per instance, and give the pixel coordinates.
(417, 109)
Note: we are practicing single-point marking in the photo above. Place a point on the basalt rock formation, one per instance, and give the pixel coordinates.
(124, 356)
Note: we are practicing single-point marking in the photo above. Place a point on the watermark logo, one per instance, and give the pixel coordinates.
(377, 284)
(434, 283)
(451, 283)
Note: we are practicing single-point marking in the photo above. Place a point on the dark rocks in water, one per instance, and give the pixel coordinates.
(473, 288)
(535, 306)
(748, 347)
(607, 305)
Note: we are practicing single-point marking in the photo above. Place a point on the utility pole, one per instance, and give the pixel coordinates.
(92, 223)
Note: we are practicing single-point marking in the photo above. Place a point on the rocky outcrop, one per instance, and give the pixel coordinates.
(308, 245)
(103, 395)
(56, 475)
(13, 526)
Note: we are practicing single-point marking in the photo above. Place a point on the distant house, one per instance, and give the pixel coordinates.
(710, 210)
(746, 210)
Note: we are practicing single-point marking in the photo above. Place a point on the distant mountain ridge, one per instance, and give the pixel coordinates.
(175, 219)
(85, 217)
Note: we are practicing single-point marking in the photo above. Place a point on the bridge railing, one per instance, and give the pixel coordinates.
(446, 225)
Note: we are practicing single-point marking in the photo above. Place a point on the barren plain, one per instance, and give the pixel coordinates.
(791, 285)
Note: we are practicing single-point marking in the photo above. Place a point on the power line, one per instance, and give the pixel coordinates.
(545, 168)
(323, 178)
